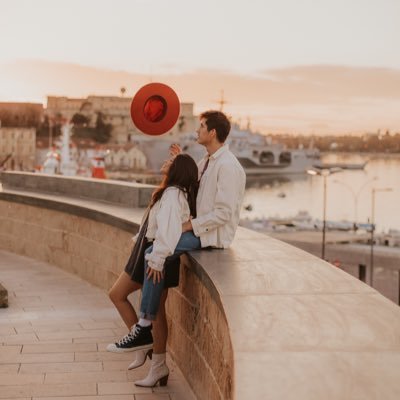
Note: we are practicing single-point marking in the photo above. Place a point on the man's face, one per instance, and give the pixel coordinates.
(204, 136)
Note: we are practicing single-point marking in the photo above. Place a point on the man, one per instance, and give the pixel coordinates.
(219, 200)
(222, 185)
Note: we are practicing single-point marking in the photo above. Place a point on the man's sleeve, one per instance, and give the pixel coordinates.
(229, 184)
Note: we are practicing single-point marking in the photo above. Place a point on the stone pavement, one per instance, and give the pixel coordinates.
(53, 338)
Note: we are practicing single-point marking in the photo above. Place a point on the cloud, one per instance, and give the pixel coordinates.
(306, 98)
(333, 83)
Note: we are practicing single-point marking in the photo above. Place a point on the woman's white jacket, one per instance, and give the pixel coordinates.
(165, 225)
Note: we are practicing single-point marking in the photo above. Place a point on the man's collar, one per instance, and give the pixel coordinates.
(220, 151)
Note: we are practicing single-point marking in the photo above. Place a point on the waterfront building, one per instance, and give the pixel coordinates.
(123, 157)
(115, 110)
(17, 148)
(18, 125)
(24, 115)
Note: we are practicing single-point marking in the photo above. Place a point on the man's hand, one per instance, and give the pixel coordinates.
(187, 226)
(156, 275)
(175, 149)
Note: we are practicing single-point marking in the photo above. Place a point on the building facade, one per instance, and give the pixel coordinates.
(124, 157)
(26, 115)
(17, 148)
(115, 111)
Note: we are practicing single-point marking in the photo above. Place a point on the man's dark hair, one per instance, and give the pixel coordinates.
(219, 121)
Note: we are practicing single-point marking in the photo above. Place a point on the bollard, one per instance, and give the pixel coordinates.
(362, 272)
(3, 297)
(398, 280)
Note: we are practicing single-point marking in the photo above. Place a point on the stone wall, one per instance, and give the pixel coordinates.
(199, 338)
(93, 250)
(115, 192)
(97, 251)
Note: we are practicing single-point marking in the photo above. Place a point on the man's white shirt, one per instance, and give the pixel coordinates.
(220, 199)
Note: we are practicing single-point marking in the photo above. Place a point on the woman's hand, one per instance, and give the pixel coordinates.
(187, 226)
(175, 149)
(155, 274)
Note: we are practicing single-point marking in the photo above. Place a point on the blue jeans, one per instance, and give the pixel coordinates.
(151, 292)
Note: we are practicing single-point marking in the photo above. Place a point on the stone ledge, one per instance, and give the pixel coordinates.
(115, 192)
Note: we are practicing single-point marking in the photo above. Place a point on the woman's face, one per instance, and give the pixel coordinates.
(165, 167)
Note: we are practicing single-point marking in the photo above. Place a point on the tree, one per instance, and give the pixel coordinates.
(101, 133)
(102, 130)
(79, 119)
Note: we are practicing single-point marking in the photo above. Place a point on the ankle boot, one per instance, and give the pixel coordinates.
(141, 356)
(159, 372)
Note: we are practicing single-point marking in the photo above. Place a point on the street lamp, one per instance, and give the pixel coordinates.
(324, 172)
(374, 190)
(356, 195)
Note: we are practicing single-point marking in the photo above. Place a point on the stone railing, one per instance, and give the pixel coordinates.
(261, 320)
(123, 193)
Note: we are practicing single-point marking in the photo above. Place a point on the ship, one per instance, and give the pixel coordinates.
(258, 155)
(351, 166)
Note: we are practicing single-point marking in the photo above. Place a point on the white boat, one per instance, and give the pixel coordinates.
(258, 155)
(352, 166)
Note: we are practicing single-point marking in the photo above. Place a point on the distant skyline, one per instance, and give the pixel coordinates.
(290, 66)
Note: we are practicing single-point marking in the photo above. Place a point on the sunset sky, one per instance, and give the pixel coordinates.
(310, 66)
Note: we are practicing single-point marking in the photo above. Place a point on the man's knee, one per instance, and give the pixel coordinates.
(188, 241)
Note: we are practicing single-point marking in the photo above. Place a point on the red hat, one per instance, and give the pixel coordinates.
(155, 109)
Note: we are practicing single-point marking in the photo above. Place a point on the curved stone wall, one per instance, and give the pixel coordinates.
(95, 246)
(88, 248)
(261, 320)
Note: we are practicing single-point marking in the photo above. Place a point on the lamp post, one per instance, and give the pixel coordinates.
(356, 195)
(373, 192)
(50, 134)
(324, 172)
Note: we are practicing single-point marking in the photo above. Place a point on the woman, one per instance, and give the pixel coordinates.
(160, 238)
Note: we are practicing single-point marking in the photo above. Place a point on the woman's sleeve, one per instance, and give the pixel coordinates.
(169, 229)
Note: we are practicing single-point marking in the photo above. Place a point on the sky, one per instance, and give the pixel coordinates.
(304, 66)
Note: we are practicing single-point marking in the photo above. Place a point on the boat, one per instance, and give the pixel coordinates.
(354, 166)
(258, 154)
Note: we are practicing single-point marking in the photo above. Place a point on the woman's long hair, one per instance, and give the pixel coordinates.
(183, 174)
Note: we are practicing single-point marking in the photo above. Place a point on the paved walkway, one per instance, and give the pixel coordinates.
(53, 338)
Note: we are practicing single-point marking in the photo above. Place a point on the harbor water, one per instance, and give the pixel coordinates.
(349, 193)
